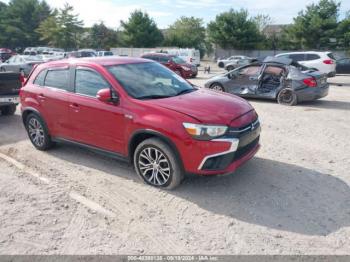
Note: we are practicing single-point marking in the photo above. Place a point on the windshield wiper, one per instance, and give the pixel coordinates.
(186, 91)
(153, 97)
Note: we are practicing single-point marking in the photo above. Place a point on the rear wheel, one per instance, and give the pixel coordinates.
(217, 87)
(8, 110)
(221, 65)
(287, 97)
(38, 133)
(157, 164)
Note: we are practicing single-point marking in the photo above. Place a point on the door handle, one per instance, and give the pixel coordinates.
(74, 106)
(41, 97)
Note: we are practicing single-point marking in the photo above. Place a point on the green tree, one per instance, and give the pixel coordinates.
(343, 33)
(234, 29)
(141, 31)
(262, 21)
(186, 32)
(102, 37)
(314, 26)
(62, 29)
(19, 21)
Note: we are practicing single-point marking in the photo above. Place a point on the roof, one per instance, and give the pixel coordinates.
(103, 60)
(158, 54)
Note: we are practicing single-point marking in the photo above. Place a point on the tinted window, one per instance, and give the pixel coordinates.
(88, 82)
(331, 56)
(163, 59)
(58, 78)
(39, 80)
(312, 57)
(297, 57)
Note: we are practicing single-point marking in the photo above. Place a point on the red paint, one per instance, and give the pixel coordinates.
(185, 70)
(110, 125)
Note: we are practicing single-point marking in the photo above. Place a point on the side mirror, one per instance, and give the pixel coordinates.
(106, 95)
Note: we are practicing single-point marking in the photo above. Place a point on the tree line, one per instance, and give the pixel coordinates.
(26, 23)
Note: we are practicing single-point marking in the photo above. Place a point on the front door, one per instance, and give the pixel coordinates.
(245, 81)
(93, 122)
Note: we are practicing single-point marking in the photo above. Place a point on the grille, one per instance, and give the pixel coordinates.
(242, 151)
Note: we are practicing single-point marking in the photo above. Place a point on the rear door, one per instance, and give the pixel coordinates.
(93, 122)
(343, 66)
(52, 95)
(245, 81)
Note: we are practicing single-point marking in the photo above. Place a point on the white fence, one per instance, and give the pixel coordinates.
(137, 52)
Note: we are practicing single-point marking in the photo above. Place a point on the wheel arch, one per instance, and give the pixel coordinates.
(141, 135)
(30, 110)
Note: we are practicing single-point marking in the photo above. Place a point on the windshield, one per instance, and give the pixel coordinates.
(108, 53)
(149, 80)
(178, 60)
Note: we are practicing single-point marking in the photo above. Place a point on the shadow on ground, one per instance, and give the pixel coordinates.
(263, 192)
(11, 130)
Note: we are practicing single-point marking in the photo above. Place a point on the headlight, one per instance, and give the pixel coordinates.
(204, 132)
(185, 68)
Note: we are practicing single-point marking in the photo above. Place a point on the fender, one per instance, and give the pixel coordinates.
(155, 134)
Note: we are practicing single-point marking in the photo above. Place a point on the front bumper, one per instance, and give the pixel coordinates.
(224, 155)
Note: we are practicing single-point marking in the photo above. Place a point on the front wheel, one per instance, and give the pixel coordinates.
(230, 68)
(157, 164)
(287, 97)
(8, 110)
(217, 87)
(38, 133)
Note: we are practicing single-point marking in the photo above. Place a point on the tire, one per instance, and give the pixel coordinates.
(221, 65)
(8, 110)
(230, 68)
(217, 87)
(38, 132)
(287, 97)
(148, 168)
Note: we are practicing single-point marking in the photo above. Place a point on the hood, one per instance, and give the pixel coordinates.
(208, 107)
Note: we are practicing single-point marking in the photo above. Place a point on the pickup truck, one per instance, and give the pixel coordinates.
(10, 84)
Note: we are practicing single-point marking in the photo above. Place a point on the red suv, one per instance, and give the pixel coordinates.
(174, 63)
(141, 112)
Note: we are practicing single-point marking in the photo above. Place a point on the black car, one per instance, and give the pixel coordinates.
(274, 78)
(343, 66)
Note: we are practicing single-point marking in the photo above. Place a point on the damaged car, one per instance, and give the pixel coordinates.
(275, 78)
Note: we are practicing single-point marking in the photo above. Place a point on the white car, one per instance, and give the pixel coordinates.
(191, 56)
(324, 62)
(231, 60)
(105, 53)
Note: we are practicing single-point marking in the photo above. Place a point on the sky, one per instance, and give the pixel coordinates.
(165, 12)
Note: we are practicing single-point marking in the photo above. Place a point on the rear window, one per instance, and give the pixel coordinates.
(331, 56)
(297, 57)
(58, 78)
(39, 80)
(310, 57)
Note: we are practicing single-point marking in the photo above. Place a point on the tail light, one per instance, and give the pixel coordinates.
(22, 78)
(310, 82)
(328, 62)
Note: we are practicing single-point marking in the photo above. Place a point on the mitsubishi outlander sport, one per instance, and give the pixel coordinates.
(139, 111)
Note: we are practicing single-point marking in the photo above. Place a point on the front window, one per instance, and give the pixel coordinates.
(149, 80)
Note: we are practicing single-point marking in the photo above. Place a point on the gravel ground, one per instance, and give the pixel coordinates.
(292, 198)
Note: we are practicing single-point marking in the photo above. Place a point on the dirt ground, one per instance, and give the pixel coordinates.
(292, 198)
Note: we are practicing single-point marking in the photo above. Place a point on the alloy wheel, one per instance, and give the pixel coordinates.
(36, 132)
(154, 166)
(217, 87)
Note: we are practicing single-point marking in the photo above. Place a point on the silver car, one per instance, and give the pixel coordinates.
(20, 63)
(276, 78)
